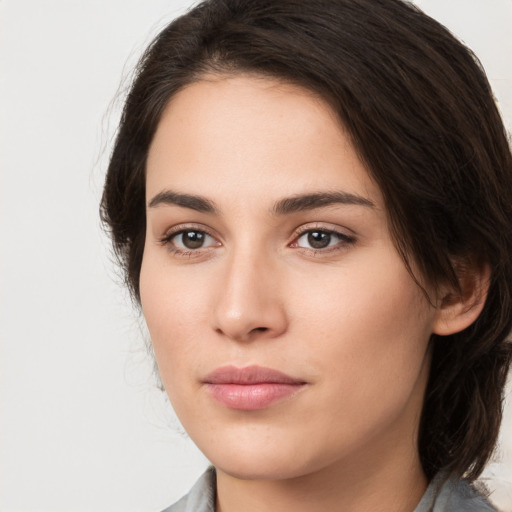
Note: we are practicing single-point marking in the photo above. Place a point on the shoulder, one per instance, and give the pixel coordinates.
(462, 496)
(201, 497)
(446, 494)
(443, 495)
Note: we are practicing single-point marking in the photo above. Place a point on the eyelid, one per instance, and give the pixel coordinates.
(346, 236)
(174, 231)
(325, 227)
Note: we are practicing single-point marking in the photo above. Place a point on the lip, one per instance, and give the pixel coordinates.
(250, 388)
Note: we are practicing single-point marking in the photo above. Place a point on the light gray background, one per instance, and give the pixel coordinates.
(82, 425)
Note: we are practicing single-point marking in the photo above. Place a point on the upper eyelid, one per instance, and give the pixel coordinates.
(167, 241)
(346, 236)
(180, 228)
(327, 227)
(297, 232)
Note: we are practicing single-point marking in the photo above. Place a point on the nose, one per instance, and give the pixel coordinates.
(249, 304)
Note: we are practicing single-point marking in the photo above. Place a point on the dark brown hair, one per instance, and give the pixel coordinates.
(422, 117)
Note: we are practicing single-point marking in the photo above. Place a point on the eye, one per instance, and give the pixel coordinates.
(191, 239)
(318, 239)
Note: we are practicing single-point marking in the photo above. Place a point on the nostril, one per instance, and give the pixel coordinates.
(260, 329)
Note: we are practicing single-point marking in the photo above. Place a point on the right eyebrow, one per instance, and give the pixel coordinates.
(198, 203)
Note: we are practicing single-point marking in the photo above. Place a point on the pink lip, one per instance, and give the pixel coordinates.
(250, 388)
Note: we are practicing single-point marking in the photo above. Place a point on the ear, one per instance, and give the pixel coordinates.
(456, 311)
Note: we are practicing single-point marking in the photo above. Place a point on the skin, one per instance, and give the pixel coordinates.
(348, 320)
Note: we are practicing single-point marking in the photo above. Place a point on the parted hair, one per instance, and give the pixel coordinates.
(422, 117)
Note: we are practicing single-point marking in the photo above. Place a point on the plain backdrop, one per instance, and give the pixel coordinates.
(83, 426)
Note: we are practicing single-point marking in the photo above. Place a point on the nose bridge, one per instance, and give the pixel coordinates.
(249, 304)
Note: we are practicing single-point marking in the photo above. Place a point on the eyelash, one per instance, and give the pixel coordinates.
(167, 241)
(344, 240)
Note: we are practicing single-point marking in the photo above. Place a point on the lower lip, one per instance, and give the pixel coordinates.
(252, 397)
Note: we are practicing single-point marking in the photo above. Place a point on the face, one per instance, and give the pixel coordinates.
(288, 333)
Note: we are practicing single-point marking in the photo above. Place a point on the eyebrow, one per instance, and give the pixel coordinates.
(198, 203)
(282, 207)
(319, 200)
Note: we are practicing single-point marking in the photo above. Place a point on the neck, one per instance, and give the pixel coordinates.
(392, 486)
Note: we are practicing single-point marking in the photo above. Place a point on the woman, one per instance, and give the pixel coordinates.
(312, 205)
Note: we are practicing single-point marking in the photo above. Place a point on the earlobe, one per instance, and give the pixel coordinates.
(456, 311)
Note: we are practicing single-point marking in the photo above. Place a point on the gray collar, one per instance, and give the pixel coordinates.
(201, 497)
(444, 494)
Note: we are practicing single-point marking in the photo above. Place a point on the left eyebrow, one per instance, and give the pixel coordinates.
(318, 200)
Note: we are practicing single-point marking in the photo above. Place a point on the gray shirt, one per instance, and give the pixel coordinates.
(442, 495)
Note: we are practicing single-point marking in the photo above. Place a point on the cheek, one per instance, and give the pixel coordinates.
(376, 303)
(173, 309)
(367, 332)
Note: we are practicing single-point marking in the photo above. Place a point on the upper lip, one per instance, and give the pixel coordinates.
(249, 375)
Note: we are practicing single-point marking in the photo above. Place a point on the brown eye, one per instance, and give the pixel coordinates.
(319, 239)
(191, 239)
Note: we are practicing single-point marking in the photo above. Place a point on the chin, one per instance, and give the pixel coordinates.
(263, 460)
(270, 459)
(251, 468)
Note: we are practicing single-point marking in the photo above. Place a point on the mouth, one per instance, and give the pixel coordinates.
(250, 388)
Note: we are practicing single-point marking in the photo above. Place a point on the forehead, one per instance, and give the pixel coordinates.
(255, 136)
